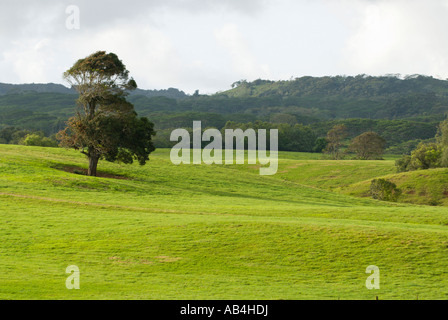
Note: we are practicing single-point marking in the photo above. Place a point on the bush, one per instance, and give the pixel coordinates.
(37, 139)
(442, 139)
(385, 190)
(426, 156)
(444, 161)
(403, 163)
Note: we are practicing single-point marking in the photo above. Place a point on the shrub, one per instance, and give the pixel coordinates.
(442, 139)
(426, 156)
(402, 164)
(38, 139)
(385, 190)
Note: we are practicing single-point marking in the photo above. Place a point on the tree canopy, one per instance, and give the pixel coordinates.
(368, 146)
(105, 126)
(335, 139)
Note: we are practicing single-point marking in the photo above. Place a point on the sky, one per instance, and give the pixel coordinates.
(207, 45)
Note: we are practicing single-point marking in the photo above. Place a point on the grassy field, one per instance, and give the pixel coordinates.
(212, 232)
(426, 187)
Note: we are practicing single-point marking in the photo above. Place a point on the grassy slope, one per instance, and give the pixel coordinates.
(352, 177)
(200, 232)
(312, 170)
(426, 187)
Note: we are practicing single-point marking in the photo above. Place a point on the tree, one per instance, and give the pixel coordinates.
(319, 145)
(334, 139)
(106, 125)
(368, 146)
(442, 139)
(283, 118)
(403, 163)
(426, 156)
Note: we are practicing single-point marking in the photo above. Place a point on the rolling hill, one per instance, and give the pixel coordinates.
(210, 232)
(426, 187)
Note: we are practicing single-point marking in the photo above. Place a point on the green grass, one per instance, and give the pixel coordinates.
(210, 232)
(425, 187)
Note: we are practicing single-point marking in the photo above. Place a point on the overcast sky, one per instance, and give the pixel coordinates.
(209, 44)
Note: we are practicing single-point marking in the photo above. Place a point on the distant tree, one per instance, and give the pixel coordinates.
(319, 145)
(239, 83)
(106, 125)
(426, 156)
(38, 139)
(442, 139)
(296, 137)
(402, 164)
(368, 146)
(283, 118)
(6, 134)
(335, 137)
(18, 136)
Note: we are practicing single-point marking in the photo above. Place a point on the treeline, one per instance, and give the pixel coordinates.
(401, 136)
(12, 135)
(305, 100)
(298, 138)
(428, 155)
(404, 112)
(348, 86)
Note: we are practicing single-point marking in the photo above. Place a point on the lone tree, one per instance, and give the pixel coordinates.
(368, 146)
(105, 126)
(334, 139)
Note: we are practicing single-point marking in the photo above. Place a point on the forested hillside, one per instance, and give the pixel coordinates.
(403, 110)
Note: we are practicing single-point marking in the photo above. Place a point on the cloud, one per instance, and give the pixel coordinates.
(207, 45)
(400, 36)
(244, 62)
(47, 17)
(36, 46)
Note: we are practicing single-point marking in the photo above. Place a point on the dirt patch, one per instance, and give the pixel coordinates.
(83, 172)
(167, 259)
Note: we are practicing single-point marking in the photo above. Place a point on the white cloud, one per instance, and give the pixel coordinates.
(243, 61)
(148, 54)
(28, 60)
(400, 36)
(207, 45)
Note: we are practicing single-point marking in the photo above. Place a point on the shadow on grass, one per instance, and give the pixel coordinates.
(82, 171)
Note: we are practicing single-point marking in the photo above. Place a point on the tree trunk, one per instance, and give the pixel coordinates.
(93, 164)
